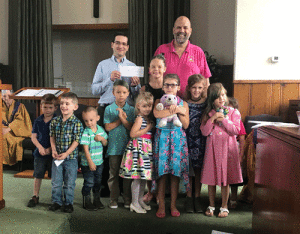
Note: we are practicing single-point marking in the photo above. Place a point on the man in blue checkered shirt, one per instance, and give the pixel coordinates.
(65, 134)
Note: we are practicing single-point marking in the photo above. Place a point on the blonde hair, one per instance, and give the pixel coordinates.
(143, 96)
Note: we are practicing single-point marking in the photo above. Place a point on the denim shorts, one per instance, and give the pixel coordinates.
(41, 165)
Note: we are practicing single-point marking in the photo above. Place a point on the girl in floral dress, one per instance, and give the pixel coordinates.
(137, 159)
(196, 99)
(221, 166)
(170, 153)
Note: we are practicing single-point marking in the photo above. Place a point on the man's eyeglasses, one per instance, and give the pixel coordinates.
(120, 43)
(170, 85)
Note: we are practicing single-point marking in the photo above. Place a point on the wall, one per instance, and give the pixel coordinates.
(81, 12)
(78, 52)
(4, 32)
(264, 29)
(213, 23)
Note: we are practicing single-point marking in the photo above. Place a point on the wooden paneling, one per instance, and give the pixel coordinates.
(88, 101)
(242, 92)
(276, 206)
(266, 96)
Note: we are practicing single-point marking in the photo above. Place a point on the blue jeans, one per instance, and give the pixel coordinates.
(63, 181)
(92, 179)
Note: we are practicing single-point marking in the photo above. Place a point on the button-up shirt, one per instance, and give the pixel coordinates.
(65, 133)
(192, 61)
(102, 84)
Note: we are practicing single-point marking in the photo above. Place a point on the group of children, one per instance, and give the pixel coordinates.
(136, 153)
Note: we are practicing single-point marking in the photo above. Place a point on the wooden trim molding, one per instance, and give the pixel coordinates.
(90, 26)
(2, 204)
(266, 81)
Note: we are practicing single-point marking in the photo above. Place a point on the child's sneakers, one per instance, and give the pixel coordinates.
(113, 204)
(54, 207)
(87, 203)
(33, 201)
(68, 208)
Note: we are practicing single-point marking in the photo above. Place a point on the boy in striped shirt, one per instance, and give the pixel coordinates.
(93, 139)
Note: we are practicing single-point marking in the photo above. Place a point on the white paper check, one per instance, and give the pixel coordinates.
(58, 162)
(131, 71)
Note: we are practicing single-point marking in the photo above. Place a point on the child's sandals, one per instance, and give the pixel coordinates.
(210, 211)
(223, 212)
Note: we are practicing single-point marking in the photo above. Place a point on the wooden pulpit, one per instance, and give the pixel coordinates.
(2, 202)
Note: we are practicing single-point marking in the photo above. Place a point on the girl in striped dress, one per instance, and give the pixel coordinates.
(137, 159)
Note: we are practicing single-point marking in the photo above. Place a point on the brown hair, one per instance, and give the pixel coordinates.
(213, 93)
(49, 99)
(194, 79)
(160, 57)
(233, 102)
(72, 96)
(172, 76)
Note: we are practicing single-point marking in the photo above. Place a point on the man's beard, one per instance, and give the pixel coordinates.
(179, 39)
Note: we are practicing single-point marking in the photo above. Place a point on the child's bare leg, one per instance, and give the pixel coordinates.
(36, 186)
(225, 196)
(174, 192)
(161, 194)
(149, 195)
(190, 192)
(211, 196)
(233, 196)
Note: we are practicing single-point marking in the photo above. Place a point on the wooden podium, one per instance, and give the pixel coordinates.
(2, 202)
(29, 93)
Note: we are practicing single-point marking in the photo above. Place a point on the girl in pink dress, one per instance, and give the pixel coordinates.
(221, 166)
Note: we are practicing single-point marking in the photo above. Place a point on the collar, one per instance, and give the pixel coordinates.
(172, 48)
(95, 133)
(125, 107)
(115, 59)
(69, 119)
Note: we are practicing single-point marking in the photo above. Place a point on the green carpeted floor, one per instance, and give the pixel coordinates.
(17, 218)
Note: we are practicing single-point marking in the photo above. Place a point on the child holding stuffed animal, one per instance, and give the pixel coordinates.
(196, 97)
(221, 166)
(137, 159)
(170, 153)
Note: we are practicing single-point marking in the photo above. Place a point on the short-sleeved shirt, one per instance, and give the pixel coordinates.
(42, 130)
(95, 147)
(65, 133)
(192, 61)
(119, 136)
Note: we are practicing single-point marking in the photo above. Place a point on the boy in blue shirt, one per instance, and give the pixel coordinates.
(93, 139)
(118, 120)
(41, 139)
(65, 134)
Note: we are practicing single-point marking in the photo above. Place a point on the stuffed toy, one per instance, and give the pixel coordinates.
(165, 102)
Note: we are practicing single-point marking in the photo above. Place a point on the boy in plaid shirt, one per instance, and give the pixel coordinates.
(65, 134)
